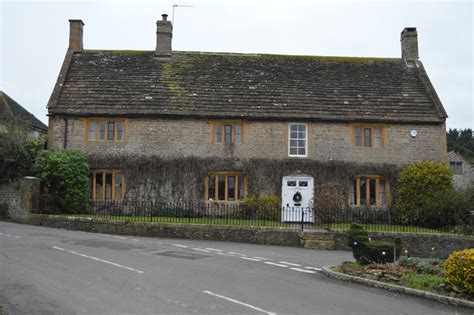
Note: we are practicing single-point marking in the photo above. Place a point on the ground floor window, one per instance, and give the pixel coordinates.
(370, 191)
(107, 184)
(456, 167)
(226, 187)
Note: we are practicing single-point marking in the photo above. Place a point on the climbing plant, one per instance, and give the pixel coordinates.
(182, 179)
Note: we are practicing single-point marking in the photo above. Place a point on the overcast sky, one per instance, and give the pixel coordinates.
(34, 37)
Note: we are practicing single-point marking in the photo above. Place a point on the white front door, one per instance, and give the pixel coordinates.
(297, 193)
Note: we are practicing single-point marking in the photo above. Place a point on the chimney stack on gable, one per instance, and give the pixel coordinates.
(409, 40)
(75, 35)
(164, 34)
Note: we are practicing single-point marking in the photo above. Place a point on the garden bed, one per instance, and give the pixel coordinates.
(413, 273)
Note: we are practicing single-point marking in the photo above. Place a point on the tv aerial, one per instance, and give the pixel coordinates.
(179, 6)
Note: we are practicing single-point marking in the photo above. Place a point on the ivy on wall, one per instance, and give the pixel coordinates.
(182, 179)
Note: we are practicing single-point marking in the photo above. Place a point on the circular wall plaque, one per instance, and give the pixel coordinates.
(413, 133)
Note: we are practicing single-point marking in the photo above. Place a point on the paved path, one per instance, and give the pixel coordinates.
(51, 271)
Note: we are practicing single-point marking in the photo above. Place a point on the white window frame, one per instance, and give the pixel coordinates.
(305, 139)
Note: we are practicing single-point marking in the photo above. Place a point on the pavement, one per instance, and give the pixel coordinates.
(53, 271)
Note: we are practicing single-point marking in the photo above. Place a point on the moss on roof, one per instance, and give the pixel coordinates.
(262, 55)
(257, 86)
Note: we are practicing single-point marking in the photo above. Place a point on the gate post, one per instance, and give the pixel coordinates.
(302, 219)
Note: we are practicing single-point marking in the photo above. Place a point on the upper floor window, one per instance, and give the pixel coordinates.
(456, 167)
(107, 184)
(369, 191)
(36, 135)
(298, 140)
(106, 130)
(226, 187)
(365, 136)
(228, 132)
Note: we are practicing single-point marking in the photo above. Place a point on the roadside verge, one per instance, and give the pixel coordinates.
(396, 288)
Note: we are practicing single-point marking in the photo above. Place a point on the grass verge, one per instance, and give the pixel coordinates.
(253, 222)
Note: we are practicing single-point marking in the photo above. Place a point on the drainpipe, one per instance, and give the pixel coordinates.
(65, 132)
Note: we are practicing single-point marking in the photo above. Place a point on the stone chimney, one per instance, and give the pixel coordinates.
(409, 39)
(75, 35)
(164, 33)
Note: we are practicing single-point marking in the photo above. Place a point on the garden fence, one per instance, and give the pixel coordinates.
(373, 219)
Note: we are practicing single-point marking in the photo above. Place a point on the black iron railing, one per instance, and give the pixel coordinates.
(373, 219)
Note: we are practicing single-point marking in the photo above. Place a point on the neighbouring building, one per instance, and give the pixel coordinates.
(211, 127)
(13, 115)
(463, 172)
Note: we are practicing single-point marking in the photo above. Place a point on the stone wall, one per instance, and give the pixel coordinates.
(417, 245)
(193, 137)
(19, 197)
(264, 235)
(263, 156)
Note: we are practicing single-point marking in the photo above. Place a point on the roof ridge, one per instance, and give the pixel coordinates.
(223, 53)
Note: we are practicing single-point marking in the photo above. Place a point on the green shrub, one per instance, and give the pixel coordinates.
(376, 252)
(261, 208)
(422, 188)
(366, 251)
(65, 178)
(356, 233)
(17, 155)
(459, 270)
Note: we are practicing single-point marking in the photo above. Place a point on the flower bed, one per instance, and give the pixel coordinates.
(426, 275)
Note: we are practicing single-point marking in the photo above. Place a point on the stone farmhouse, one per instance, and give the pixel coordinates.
(463, 171)
(211, 127)
(15, 116)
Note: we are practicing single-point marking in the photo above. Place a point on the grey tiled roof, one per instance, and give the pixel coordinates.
(255, 86)
(12, 111)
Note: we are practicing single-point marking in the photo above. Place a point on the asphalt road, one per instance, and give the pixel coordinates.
(51, 271)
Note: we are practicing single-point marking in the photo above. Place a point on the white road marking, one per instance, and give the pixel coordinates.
(9, 235)
(248, 258)
(135, 240)
(120, 237)
(275, 264)
(202, 250)
(224, 254)
(302, 270)
(234, 253)
(239, 302)
(98, 259)
(314, 268)
(261, 258)
(179, 245)
(213, 249)
(288, 263)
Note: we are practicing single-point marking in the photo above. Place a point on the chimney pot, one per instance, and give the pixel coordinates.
(164, 34)
(75, 35)
(409, 41)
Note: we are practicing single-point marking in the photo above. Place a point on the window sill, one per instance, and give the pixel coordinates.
(373, 207)
(222, 202)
